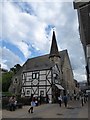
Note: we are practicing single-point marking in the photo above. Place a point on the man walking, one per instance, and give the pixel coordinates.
(65, 100)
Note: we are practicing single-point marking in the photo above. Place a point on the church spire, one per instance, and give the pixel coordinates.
(54, 48)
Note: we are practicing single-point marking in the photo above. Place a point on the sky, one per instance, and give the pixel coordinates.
(26, 32)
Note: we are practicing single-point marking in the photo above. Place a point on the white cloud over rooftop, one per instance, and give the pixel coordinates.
(28, 28)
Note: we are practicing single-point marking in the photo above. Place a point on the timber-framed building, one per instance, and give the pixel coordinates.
(45, 75)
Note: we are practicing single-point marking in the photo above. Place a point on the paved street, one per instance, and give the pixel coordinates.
(74, 110)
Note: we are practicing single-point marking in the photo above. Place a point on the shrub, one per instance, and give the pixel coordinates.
(4, 102)
(6, 94)
(24, 100)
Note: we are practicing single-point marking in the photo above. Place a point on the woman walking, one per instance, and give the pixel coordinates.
(82, 99)
(32, 105)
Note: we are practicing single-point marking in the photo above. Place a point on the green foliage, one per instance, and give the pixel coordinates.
(24, 100)
(6, 81)
(8, 94)
(6, 77)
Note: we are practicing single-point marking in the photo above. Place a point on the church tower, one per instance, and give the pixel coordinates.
(55, 59)
(54, 53)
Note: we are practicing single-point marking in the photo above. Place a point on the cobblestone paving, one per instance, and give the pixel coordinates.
(74, 110)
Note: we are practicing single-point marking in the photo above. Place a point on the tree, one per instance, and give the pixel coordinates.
(6, 81)
(7, 76)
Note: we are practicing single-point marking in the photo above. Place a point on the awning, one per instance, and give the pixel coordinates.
(59, 87)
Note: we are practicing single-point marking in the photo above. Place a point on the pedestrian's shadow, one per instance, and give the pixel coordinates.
(59, 114)
(70, 107)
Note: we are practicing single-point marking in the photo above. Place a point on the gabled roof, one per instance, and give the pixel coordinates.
(54, 47)
(41, 62)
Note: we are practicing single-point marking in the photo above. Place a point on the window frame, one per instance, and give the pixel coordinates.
(35, 75)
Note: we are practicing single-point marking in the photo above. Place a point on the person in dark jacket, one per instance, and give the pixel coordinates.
(12, 103)
(65, 100)
(47, 98)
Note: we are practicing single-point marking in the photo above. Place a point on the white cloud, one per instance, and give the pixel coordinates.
(80, 77)
(8, 59)
(13, 30)
(24, 30)
(38, 1)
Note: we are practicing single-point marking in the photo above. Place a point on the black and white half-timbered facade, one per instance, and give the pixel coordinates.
(42, 75)
(40, 82)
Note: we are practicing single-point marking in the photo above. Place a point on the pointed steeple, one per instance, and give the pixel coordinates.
(54, 48)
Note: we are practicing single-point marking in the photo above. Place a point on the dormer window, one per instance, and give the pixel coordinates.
(35, 75)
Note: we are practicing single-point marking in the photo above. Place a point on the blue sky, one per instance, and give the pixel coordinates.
(27, 31)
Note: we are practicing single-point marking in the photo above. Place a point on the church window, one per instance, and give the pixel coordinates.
(15, 81)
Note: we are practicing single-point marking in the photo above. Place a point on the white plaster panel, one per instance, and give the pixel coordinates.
(29, 73)
(42, 83)
(49, 82)
(28, 79)
(28, 83)
(42, 77)
(48, 71)
(42, 72)
(50, 90)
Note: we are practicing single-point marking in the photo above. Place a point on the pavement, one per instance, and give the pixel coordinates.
(74, 110)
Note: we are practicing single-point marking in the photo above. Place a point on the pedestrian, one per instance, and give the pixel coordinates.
(32, 105)
(86, 97)
(82, 99)
(40, 99)
(12, 102)
(47, 98)
(36, 101)
(75, 96)
(60, 100)
(65, 100)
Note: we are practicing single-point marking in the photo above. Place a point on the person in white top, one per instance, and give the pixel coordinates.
(60, 100)
(32, 105)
